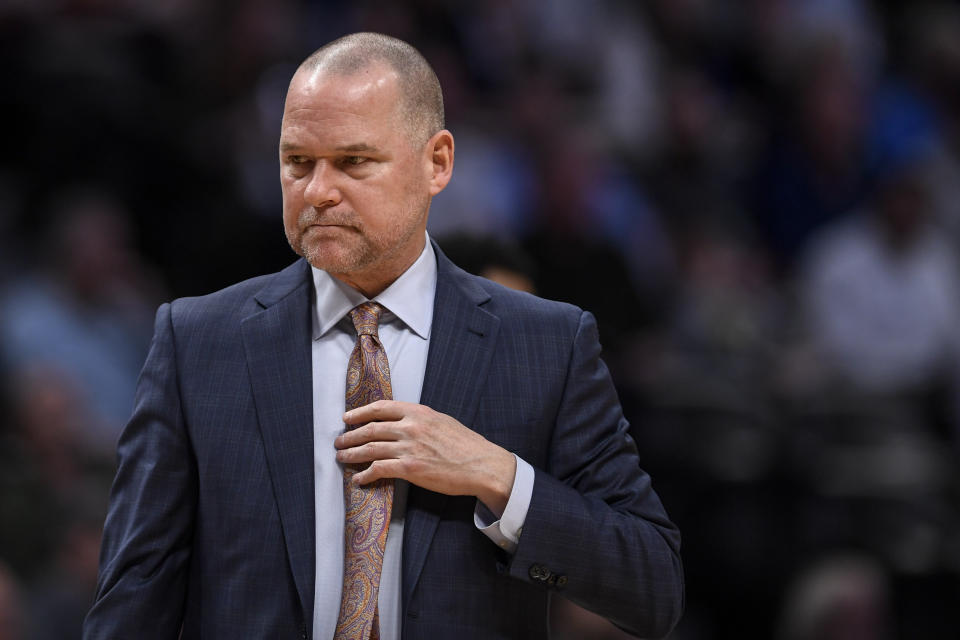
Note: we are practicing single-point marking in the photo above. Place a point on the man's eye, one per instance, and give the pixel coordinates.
(298, 159)
(354, 160)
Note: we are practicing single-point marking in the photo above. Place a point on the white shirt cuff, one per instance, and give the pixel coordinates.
(506, 531)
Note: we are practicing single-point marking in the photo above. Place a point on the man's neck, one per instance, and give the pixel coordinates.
(374, 282)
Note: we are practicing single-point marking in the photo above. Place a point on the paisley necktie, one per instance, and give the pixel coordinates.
(367, 507)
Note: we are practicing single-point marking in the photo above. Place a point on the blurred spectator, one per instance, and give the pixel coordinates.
(88, 314)
(53, 492)
(629, 110)
(881, 294)
(596, 224)
(47, 472)
(817, 167)
(708, 150)
(838, 598)
(725, 314)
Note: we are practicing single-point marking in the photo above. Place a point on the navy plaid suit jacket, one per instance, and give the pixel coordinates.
(210, 531)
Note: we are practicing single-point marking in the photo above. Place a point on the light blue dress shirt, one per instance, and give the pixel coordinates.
(405, 334)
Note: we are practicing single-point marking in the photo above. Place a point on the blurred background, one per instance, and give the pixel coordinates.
(759, 199)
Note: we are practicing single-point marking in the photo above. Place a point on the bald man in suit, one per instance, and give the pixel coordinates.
(503, 442)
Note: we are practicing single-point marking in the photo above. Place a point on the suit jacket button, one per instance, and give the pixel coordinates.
(561, 581)
(539, 572)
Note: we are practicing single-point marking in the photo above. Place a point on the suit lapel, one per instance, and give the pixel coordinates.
(462, 339)
(277, 343)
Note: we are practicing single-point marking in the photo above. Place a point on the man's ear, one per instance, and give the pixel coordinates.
(440, 160)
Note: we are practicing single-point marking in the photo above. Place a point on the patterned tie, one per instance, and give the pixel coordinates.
(368, 507)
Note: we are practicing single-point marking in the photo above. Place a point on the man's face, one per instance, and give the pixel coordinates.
(356, 188)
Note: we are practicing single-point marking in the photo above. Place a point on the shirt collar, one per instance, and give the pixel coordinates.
(409, 298)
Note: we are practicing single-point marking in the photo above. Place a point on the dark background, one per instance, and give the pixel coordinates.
(759, 199)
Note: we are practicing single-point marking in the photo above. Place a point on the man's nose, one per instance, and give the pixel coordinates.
(323, 189)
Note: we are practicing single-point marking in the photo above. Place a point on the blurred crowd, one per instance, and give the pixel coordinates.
(759, 199)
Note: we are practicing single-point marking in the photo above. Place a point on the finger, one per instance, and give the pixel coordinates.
(370, 432)
(378, 470)
(376, 411)
(369, 452)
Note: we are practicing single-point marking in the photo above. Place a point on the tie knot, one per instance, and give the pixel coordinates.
(365, 318)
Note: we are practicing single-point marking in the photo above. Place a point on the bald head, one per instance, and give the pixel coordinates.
(422, 99)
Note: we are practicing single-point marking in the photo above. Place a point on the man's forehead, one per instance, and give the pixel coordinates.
(373, 82)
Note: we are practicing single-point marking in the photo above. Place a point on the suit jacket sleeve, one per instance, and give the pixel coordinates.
(147, 536)
(595, 530)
